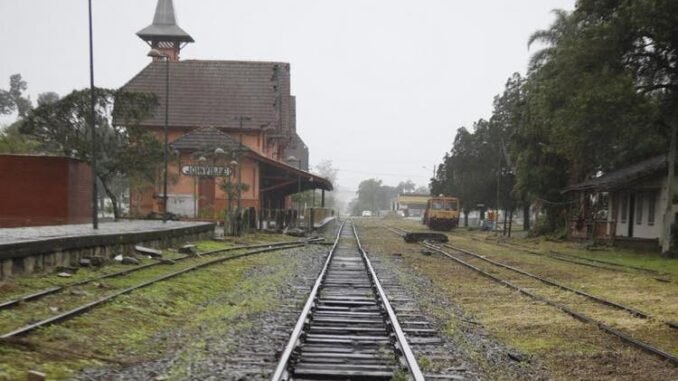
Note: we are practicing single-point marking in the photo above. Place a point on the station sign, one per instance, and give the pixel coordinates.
(205, 170)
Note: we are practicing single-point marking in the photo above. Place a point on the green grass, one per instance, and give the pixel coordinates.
(564, 346)
(130, 328)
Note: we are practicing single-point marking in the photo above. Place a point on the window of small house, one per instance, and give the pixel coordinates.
(624, 206)
(652, 200)
(639, 209)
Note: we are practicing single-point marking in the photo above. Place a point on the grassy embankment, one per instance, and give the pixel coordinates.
(145, 324)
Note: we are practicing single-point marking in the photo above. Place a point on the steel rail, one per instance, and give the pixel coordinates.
(281, 369)
(631, 310)
(7, 304)
(641, 269)
(569, 259)
(574, 257)
(625, 337)
(413, 366)
(86, 307)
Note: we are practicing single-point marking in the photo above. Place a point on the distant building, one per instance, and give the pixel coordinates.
(44, 190)
(625, 205)
(242, 110)
(410, 204)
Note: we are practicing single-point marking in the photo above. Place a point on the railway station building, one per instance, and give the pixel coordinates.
(625, 206)
(228, 122)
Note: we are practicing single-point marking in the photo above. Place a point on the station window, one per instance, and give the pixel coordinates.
(624, 206)
(652, 201)
(639, 208)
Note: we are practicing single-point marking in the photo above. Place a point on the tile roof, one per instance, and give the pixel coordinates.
(623, 176)
(298, 149)
(206, 138)
(223, 94)
(164, 25)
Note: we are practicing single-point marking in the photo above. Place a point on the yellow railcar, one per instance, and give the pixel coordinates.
(442, 213)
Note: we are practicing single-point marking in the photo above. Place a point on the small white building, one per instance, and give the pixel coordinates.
(627, 205)
(410, 204)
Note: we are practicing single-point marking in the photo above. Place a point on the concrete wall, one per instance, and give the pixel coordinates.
(43, 190)
(46, 255)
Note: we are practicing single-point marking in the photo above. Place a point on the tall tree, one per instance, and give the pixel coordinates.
(327, 170)
(562, 27)
(124, 150)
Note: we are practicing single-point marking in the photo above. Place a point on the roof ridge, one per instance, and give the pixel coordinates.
(186, 138)
(235, 61)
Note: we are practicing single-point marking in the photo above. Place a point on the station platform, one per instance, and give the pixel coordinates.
(41, 248)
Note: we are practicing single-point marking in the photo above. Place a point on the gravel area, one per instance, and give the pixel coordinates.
(228, 348)
(244, 348)
(465, 350)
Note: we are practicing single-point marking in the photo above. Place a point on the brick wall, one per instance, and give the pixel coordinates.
(43, 190)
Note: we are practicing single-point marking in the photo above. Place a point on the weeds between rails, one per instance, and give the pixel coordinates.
(52, 290)
(597, 263)
(608, 329)
(578, 315)
(88, 306)
(575, 259)
(607, 302)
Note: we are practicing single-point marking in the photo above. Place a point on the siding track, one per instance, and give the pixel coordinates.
(83, 308)
(500, 276)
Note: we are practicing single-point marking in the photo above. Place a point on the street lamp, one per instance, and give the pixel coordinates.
(201, 161)
(293, 158)
(95, 212)
(231, 167)
(155, 53)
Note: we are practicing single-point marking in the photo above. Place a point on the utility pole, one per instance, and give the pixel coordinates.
(95, 212)
(668, 212)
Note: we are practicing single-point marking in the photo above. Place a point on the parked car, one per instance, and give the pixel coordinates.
(367, 213)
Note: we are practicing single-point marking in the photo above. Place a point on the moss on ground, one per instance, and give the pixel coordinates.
(133, 327)
(568, 348)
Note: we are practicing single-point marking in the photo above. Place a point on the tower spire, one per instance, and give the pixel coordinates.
(164, 34)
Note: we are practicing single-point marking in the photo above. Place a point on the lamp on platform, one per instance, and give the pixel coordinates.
(155, 53)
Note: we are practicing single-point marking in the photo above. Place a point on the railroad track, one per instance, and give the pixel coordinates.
(498, 272)
(347, 329)
(33, 296)
(84, 307)
(590, 262)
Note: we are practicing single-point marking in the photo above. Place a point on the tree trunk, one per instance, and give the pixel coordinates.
(113, 197)
(526, 217)
(510, 221)
(466, 218)
(668, 208)
(505, 220)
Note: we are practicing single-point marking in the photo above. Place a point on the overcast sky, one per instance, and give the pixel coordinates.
(381, 86)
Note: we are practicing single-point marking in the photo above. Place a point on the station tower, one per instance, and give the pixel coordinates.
(164, 34)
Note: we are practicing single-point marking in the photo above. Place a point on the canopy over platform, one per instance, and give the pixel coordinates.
(283, 179)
